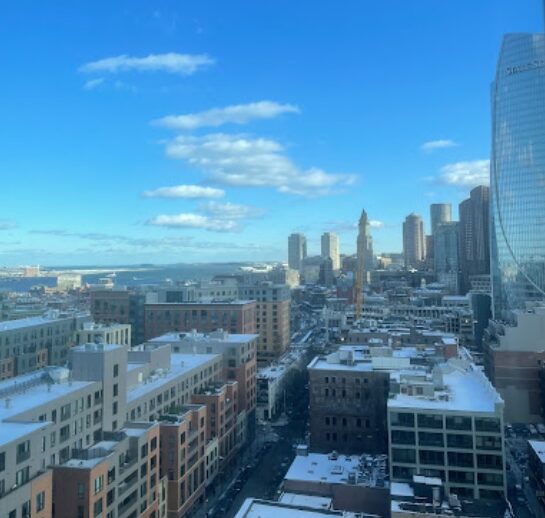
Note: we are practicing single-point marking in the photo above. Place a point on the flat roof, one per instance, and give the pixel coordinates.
(313, 501)
(371, 470)
(539, 449)
(203, 337)
(252, 508)
(465, 388)
(21, 323)
(180, 364)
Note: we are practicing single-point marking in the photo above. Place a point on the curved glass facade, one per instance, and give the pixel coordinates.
(517, 176)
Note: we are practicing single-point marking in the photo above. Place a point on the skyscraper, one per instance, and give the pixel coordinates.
(439, 213)
(362, 253)
(517, 174)
(474, 236)
(446, 262)
(330, 249)
(414, 247)
(297, 250)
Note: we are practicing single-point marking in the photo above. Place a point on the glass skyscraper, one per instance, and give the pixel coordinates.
(517, 175)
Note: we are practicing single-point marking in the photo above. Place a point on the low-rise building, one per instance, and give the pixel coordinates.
(356, 483)
(448, 424)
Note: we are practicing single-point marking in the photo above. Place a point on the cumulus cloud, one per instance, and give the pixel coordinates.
(235, 114)
(172, 63)
(466, 174)
(231, 211)
(190, 220)
(376, 224)
(185, 191)
(93, 83)
(239, 160)
(432, 145)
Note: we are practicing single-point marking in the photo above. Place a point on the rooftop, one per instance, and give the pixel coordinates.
(205, 337)
(364, 470)
(539, 449)
(252, 508)
(459, 386)
(180, 364)
(52, 316)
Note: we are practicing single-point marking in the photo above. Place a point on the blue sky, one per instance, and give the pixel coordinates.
(110, 153)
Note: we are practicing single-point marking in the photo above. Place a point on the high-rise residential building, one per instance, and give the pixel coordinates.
(517, 180)
(439, 213)
(446, 261)
(361, 257)
(414, 244)
(330, 249)
(297, 250)
(474, 236)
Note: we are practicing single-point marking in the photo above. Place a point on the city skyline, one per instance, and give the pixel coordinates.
(110, 137)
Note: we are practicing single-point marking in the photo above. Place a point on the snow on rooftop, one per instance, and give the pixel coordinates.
(10, 432)
(539, 449)
(21, 323)
(335, 469)
(180, 364)
(264, 509)
(205, 337)
(315, 502)
(465, 388)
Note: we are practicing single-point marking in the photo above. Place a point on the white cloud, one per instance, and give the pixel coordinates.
(373, 223)
(236, 114)
(240, 160)
(93, 83)
(190, 220)
(185, 191)
(7, 224)
(172, 63)
(466, 174)
(231, 211)
(432, 145)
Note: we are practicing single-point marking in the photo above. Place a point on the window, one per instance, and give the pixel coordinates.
(97, 508)
(432, 457)
(458, 423)
(400, 436)
(403, 455)
(487, 442)
(402, 419)
(99, 484)
(40, 501)
(487, 424)
(2, 461)
(116, 389)
(23, 451)
(116, 370)
(459, 441)
(430, 421)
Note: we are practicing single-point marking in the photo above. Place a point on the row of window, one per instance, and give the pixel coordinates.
(438, 421)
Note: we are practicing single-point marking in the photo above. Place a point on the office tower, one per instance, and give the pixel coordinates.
(439, 213)
(330, 249)
(474, 236)
(362, 253)
(414, 245)
(517, 174)
(297, 250)
(446, 263)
